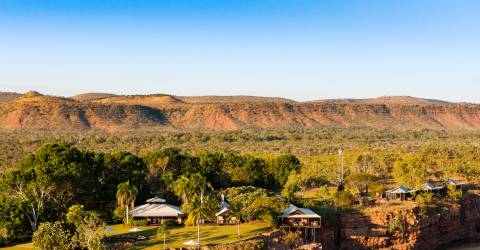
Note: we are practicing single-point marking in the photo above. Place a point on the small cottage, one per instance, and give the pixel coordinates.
(299, 217)
(451, 182)
(399, 193)
(429, 187)
(156, 211)
(225, 215)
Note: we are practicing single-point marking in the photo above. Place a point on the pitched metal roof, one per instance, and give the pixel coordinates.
(224, 207)
(399, 190)
(156, 210)
(222, 211)
(451, 181)
(156, 200)
(430, 186)
(291, 212)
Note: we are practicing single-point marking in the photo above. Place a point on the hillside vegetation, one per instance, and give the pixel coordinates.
(33, 111)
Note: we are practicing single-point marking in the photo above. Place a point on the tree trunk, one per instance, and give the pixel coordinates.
(127, 214)
(238, 229)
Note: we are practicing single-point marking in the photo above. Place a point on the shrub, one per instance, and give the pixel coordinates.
(169, 223)
(290, 238)
(396, 225)
(90, 233)
(136, 223)
(424, 201)
(75, 214)
(343, 199)
(52, 236)
(4, 234)
(454, 194)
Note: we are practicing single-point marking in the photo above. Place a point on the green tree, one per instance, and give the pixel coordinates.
(409, 171)
(282, 166)
(35, 196)
(91, 232)
(52, 236)
(199, 212)
(75, 214)
(367, 164)
(292, 186)
(424, 201)
(454, 193)
(126, 195)
(181, 187)
(361, 182)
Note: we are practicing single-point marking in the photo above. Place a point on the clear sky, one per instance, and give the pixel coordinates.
(299, 49)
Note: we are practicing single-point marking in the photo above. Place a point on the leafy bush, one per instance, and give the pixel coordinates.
(75, 214)
(424, 201)
(91, 232)
(136, 223)
(454, 193)
(343, 199)
(169, 223)
(290, 238)
(4, 234)
(255, 203)
(52, 236)
(396, 225)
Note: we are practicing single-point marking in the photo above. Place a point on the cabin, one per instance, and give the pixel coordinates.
(399, 193)
(299, 218)
(157, 211)
(225, 216)
(302, 220)
(451, 182)
(429, 187)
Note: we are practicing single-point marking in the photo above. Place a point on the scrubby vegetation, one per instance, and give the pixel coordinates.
(78, 182)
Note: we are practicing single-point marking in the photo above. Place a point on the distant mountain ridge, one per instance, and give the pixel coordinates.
(405, 100)
(34, 111)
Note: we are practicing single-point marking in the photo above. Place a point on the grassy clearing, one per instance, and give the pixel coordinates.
(26, 246)
(209, 234)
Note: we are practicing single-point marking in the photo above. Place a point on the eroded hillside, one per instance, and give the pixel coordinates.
(116, 113)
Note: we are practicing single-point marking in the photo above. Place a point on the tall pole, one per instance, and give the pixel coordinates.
(199, 219)
(340, 166)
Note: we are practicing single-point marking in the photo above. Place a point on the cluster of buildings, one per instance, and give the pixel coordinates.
(403, 193)
(157, 211)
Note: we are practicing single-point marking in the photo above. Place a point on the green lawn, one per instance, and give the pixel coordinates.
(26, 246)
(209, 234)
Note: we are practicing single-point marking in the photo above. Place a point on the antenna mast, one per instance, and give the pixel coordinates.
(340, 169)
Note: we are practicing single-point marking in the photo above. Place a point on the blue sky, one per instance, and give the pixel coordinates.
(299, 49)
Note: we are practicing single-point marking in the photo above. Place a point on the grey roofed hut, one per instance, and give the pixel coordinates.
(299, 217)
(400, 192)
(303, 219)
(452, 182)
(225, 214)
(157, 211)
(429, 187)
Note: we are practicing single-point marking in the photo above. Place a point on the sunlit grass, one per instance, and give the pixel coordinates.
(209, 234)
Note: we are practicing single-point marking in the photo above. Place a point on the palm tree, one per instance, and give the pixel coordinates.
(163, 231)
(126, 195)
(182, 188)
(198, 212)
(199, 184)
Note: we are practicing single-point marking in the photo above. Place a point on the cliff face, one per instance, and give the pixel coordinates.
(113, 113)
(413, 229)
